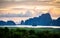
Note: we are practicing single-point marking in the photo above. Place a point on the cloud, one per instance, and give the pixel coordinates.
(28, 4)
(27, 14)
(9, 3)
(25, 0)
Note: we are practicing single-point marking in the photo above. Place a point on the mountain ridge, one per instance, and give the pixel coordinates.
(44, 20)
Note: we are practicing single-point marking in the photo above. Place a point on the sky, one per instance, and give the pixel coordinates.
(17, 10)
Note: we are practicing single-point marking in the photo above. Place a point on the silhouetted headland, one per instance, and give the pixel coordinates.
(44, 20)
(7, 23)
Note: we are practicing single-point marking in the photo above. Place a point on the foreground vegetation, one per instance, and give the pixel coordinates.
(29, 33)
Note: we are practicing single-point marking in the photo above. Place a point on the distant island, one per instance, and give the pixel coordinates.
(44, 20)
(7, 23)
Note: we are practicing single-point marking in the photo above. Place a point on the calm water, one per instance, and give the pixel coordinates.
(30, 26)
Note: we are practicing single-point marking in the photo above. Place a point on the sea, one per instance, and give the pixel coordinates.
(30, 26)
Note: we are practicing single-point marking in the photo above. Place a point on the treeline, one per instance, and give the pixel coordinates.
(24, 33)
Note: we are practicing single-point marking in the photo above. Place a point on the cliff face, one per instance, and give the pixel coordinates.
(56, 22)
(44, 19)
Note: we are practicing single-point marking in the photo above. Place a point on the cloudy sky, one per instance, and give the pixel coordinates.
(24, 9)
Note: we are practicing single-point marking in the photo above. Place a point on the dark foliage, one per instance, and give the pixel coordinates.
(23, 33)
